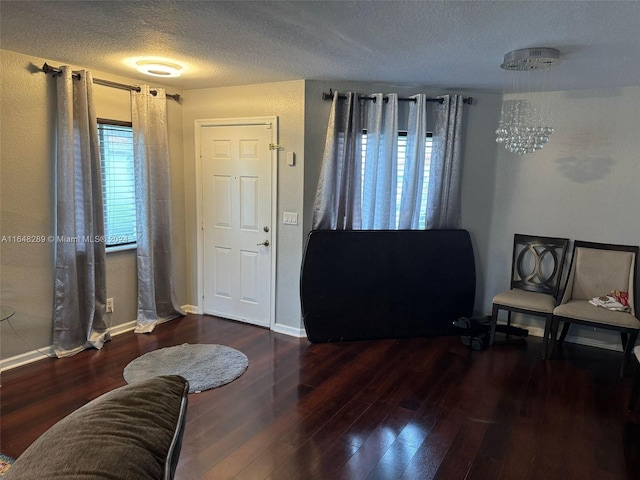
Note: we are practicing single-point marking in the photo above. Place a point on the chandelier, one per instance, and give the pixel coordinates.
(524, 126)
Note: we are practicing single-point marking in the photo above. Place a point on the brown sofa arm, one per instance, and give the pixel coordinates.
(133, 432)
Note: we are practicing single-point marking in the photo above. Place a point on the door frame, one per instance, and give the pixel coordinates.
(199, 124)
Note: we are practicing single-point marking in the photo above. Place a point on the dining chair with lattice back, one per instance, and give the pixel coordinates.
(597, 269)
(536, 271)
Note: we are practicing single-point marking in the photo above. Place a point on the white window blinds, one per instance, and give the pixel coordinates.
(118, 182)
(402, 150)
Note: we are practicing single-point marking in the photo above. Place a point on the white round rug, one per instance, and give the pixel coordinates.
(204, 366)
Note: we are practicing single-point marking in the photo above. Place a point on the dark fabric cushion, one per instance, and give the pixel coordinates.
(131, 432)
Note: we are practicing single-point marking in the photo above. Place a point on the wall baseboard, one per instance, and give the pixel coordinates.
(588, 342)
(278, 327)
(48, 351)
(192, 309)
(122, 328)
(26, 358)
(291, 331)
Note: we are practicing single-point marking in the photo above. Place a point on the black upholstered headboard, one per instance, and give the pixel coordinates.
(373, 284)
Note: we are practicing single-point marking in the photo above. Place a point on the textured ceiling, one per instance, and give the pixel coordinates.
(452, 44)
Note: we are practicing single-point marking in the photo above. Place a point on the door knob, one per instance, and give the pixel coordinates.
(265, 243)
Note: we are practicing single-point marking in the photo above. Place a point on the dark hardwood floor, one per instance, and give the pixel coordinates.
(393, 409)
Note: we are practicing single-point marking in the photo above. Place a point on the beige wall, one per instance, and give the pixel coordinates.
(27, 142)
(582, 185)
(286, 101)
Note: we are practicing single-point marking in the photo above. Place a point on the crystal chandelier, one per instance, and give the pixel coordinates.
(524, 126)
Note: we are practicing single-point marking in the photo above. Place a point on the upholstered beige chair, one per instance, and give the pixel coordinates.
(536, 271)
(596, 270)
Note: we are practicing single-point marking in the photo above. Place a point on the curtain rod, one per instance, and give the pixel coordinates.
(329, 96)
(46, 68)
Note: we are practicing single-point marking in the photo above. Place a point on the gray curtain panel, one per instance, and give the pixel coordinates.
(156, 295)
(381, 164)
(344, 201)
(337, 203)
(413, 179)
(80, 275)
(445, 181)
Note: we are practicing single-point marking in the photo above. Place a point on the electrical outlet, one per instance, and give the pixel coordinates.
(109, 305)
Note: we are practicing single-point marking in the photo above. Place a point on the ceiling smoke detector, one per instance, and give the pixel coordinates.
(531, 59)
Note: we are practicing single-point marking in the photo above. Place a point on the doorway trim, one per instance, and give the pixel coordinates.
(199, 124)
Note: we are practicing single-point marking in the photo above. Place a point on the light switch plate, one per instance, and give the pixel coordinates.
(291, 159)
(290, 218)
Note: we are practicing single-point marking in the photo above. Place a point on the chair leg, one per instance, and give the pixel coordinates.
(635, 391)
(565, 330)
(631, 341)
(494, 323)
(555, 324)
(624, 336)
(548, 320)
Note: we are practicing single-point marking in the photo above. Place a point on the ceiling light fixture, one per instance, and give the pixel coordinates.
(159, 68)
(524, 125)
(531, 59)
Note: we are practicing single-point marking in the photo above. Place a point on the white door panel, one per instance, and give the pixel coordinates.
(236, 199)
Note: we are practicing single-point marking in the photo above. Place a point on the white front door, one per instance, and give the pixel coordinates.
(237, 231)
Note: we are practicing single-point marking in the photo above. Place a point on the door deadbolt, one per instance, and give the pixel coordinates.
(265, 228)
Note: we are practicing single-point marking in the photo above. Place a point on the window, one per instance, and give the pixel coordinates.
(118, 182)
(402, 149)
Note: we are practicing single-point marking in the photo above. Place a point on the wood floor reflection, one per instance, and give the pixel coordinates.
(393, 409)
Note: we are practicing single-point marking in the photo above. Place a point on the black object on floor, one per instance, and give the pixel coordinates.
(376, 284)
(476, 332)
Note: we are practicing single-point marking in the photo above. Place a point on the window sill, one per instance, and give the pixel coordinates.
(121, 248)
